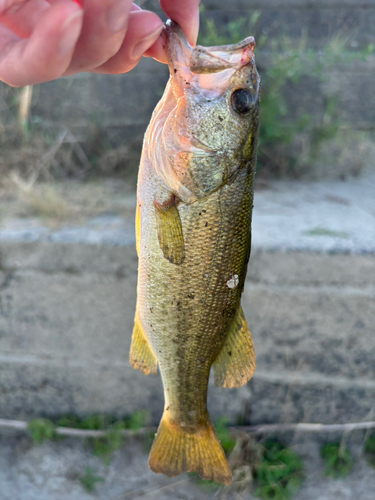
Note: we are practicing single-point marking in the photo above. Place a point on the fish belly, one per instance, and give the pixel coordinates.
(185, 309)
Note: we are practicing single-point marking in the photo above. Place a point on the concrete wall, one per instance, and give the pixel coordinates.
(312, 318)
(66, 317)
(66, 310)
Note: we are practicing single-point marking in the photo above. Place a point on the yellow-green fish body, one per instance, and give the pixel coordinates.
(195, 196)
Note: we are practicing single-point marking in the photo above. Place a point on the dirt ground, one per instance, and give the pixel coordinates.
(52, 471)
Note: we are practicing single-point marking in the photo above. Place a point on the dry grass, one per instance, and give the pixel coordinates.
(47, 205)
(65, 202)
(45, 152)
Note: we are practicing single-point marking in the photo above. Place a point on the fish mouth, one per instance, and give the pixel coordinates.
(178, 48)
(202, 60)
(206, 70)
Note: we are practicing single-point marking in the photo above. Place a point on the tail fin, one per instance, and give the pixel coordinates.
(177, 449)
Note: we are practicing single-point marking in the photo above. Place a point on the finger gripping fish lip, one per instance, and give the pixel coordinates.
(201, 59)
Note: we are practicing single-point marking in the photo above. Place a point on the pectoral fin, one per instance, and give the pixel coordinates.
(141, 356)
(169, 228)
(235, 363)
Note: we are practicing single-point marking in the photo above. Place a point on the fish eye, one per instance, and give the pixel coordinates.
(242, 101)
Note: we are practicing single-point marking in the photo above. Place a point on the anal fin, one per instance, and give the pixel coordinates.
(141, 356)
(171, 240)
(235, 364)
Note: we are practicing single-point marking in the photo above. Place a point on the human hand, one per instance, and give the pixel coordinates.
(41, 40)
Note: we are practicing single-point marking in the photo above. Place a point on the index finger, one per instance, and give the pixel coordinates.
(186, 14)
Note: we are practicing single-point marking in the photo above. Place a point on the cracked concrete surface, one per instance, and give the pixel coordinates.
(52, 471)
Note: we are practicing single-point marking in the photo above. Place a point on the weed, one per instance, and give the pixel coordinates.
(136, 420)
(89, 480)
(69, 421)
(338, 462)
(47, 204)
(41, 429)
(323, 231)
(279, 474)
(290, 143)
(369, 450)
(227, 442)
(207, 485)
(147, 440)
(103, 447)
(211, 34)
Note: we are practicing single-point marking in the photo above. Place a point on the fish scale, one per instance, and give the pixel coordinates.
(193, 239)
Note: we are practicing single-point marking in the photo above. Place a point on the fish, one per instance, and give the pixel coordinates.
(193, 238)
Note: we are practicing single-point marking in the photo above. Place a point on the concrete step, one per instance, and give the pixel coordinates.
(67, 299)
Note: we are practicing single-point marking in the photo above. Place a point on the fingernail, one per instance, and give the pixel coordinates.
(70, 32)
(118, 15)
(140, 48)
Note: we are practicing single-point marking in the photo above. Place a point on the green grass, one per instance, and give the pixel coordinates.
(291, 144)
(337, 460)
(369, 450)
(222, 432)
(40, 430)
(279, 474)
(277, 469)
(103, 447)
(324, 231)
(89, 480)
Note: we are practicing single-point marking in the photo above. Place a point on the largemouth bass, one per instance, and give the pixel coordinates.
(194, 206)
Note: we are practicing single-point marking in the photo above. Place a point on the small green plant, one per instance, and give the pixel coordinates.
(211, 34)
(290, 143)
(369, 450)
(323, 231)
(338, 462)
(89, 480)
(207, 485)
(103, 447)
(279, 474)
(227, 442)
(41, 429)
(147, 440)
(136, 420)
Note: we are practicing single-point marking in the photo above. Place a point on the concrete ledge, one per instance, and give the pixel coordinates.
(65, 334)
(67, 307)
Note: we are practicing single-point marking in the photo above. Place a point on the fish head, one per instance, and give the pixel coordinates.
(210, 114)
(219, 87)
